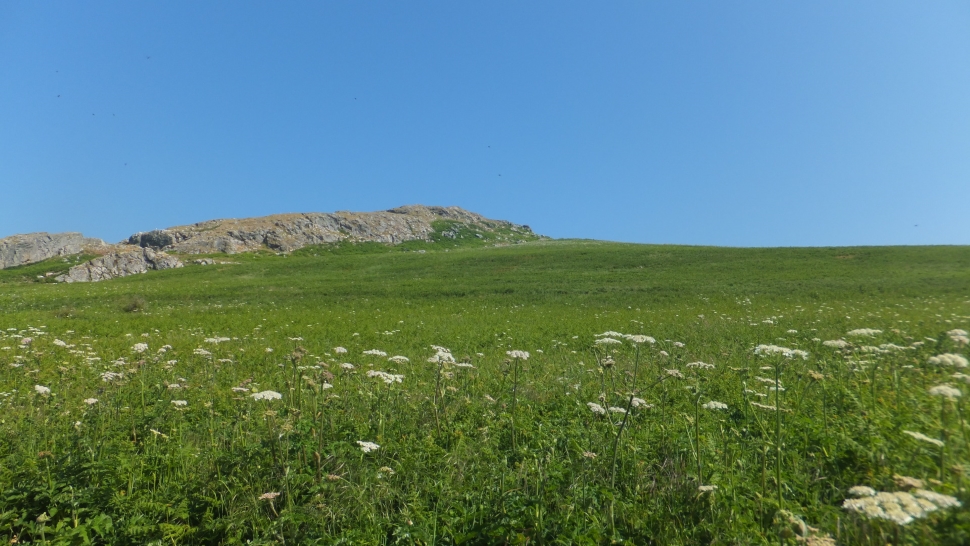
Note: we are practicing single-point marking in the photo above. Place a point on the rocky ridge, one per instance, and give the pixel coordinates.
(131, 261)
(289, 232)
(146, 251)
(37, 247)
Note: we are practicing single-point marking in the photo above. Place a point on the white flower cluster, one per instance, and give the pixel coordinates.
(836, 343)
(521, 355)
(140, 347)
(701, 365)
(607, 341)
(216, 340)
(715, 405)
(767, 350)
(266, 395)
(863, 332)
(640, 403)
(899, 507)
(201, 352)
(339, 350)
(398, 359)
(386, 377)
(946, 391)
(959, 336)
(375, 352)
(442, 355)
(367, 447)
(949, 359)
(108, 377)
(596, 408)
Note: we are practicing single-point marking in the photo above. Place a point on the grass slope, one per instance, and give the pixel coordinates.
(507, 451)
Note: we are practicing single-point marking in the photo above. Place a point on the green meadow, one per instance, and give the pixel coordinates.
(241, 403)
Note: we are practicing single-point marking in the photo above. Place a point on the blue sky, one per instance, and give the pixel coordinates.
(723, 123)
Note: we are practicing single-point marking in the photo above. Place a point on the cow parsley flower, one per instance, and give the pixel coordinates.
(862, 491)
(701, 365)
(596, 408)
(266, 395)
(90, 401)
(949, 359)
(269, 496)
(347, 366)
(675, 373)
(836, 343)
(715, 405)
(42, 390)
(609, 333)
(367, 447)
(521, 355)
(179, 403)
(640, 403)
(201, 352)
(946, 391)
(615, 409)
(375, 352)
(639, 339)
(707, 488)
(863, 332)
(339, 350)
(607, 341)
(767, 350)
(140, 347)
(398, 359)
(386, 377)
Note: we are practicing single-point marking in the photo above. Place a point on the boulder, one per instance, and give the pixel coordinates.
(37, 247)
(120, 264)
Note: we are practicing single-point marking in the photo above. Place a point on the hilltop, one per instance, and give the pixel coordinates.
(95, 260)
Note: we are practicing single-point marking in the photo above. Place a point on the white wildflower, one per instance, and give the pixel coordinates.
(521, 355)
(90, 401)
(862, 491)
(42, 390)
(596, 408)
(639, 339)
(386, 377)
(863, 332)
(615, 409)
(367, 447)
(179, 403)
(347, 366)
(60, 343)
(26, 340)
(946, 391)
(715, 405)
(950, 359)
(108, 377)
(269, 496)
(339, 350)
(607, 341)
(675, 373)
(609, 333)
(201, 352)
(707, 488)
(398, 359)
(269, 349)
(701, 365)
(266, 395)
(766, 350)
(836, 343)
(375, 352)
(216, 340)
(640, 403)
(140, 347)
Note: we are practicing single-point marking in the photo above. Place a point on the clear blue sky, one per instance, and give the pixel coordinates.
(725, 123)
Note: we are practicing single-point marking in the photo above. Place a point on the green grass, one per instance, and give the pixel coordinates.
(467, 465)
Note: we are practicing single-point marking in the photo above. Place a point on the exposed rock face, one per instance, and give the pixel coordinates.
(37, 247)
(120, 264)
(288, 232)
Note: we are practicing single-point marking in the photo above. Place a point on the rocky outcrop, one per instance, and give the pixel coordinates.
(37, 247)
(120, 264)
(288, 232)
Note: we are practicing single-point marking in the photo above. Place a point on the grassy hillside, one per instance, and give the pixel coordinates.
(508, 450)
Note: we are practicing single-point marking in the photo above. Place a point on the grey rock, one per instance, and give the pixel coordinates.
(37, 247)
(288, 232)
(120, 264)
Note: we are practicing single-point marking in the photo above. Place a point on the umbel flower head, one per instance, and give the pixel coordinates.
(924, 438)
(768, 350)
(367, 447)
(949, 359)
(521, 355)
(715, 405)
(266, 395)
(899, 507)
(946, 391)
